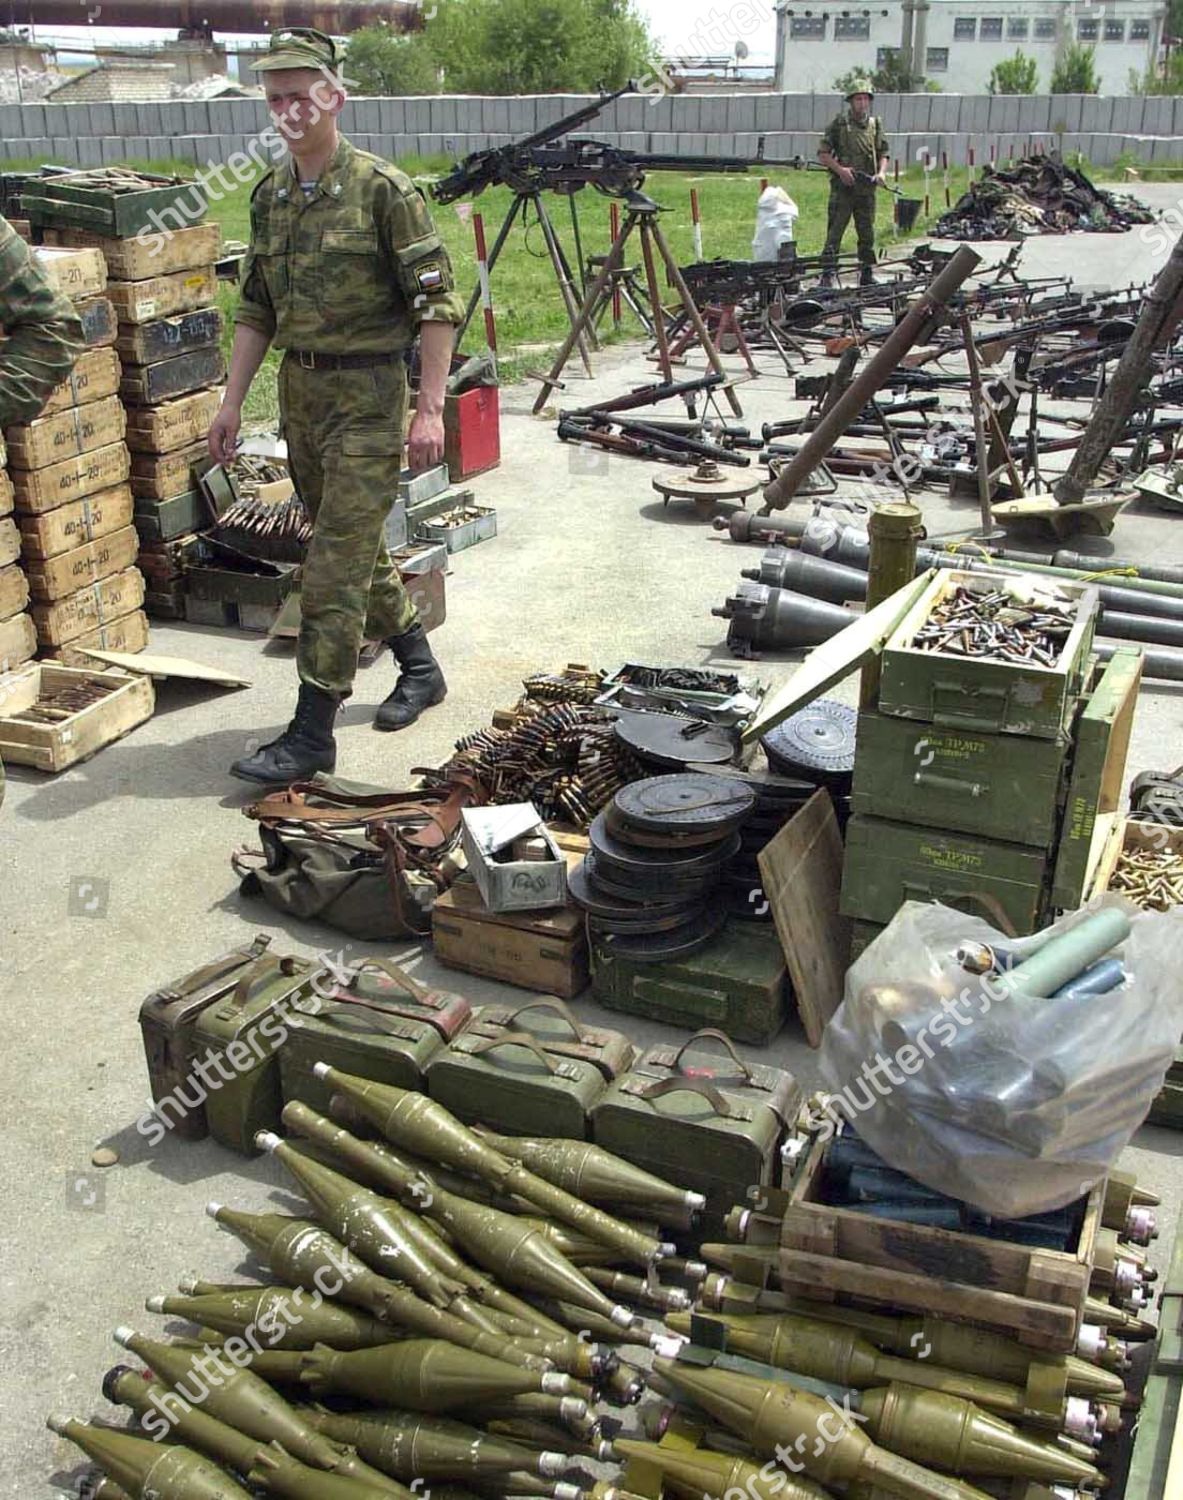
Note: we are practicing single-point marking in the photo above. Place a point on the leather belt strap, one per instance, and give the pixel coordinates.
(309, 359)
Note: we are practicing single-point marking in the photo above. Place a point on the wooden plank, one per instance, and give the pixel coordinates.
(122, 637)
(69, 526)
(18, 641)
(74, 273)
(1041, 1325)
(55, 577)
(82, 612)
(7, 498)
(140, 260)
(801, 868)
(162, 296)
(14, 591)
(95, 375)
(39, 490)
(66, 434)
(54, 747)
(172, 424)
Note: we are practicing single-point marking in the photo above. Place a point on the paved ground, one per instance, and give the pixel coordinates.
(117, 876)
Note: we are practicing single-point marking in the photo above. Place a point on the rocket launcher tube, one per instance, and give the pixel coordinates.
(425, 1128)
(591, 1173)
(303, 1253)
(143, 1468)
(498, 1241)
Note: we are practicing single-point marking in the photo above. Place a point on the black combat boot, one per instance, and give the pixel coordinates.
(305, 747)
(866, 276)
(420, 682)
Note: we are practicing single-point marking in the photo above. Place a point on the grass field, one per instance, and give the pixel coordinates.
(529, 311)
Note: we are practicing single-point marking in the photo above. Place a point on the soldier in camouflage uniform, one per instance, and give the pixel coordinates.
(854, 151)
(344, 266)
(43, 338)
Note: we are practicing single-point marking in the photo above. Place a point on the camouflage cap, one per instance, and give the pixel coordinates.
(861, 85)
(300, 47)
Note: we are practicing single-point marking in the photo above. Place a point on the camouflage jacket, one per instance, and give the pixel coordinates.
(862, 147)
(353, 269)
(44, 334)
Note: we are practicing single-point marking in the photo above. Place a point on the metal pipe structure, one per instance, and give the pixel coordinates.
(1159, 313)
(338, 17)
(873, 376)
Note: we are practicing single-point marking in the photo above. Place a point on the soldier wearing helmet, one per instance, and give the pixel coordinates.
(854, 151)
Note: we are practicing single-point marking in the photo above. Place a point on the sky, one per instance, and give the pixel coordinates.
(682, 29)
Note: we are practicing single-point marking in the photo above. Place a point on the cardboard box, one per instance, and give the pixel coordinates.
(491, 836)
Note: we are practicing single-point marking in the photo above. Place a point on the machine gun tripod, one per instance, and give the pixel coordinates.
(640, 214)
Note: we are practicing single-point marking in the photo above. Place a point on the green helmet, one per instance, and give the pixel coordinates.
(860, 85)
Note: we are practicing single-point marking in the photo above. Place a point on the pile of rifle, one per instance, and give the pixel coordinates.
(1037, 195)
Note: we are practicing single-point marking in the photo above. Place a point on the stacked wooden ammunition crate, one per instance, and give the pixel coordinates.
(163, 286)
(68, 471)
(988, 784)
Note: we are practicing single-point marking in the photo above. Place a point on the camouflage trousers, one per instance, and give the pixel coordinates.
(344, 431)
(845, 203)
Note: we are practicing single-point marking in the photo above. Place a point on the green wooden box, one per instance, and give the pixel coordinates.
(694, 1119)
(244, 1032)
(982, 694)
(165, 520)
(1004, 786)
(1097, 781)
(510, 1082)
(65, 203)
(889, 863)
(736, 982)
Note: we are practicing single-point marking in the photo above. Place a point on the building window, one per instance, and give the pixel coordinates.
(1087, 30)
(884, 55)
(1016, 28)
(991, 29)
(937, 60)
(1114, 31)
(852, 28)
(1139, 31)
(807, 28)
(965, 28)
(1045, 29)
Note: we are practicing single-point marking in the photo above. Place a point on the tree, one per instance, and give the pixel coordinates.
(1014, 75)
(1076, 71)
(539, 46)
(379, 61)
(894, 77)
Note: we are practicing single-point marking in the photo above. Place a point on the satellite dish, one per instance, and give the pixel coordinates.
(741, 50)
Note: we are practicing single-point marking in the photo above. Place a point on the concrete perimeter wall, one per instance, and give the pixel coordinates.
(206, 132)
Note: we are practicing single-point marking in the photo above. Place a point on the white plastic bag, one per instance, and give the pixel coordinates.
(776, 223)
(1013, 1103)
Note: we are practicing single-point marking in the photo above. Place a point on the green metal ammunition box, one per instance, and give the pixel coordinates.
(553, 1026)
(710, 1124)
(889, 863)
(736, 982)
(511, 1082)
(980, 693)
(60, 202)
(241, 1036)
(381, 1024)
(1001, 785)
(1097, 781)
(165, 520)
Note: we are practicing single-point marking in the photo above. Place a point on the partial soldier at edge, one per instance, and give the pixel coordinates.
(854, 151)
(344, 268)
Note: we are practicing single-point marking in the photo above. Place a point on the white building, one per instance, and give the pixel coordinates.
(959, 41)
